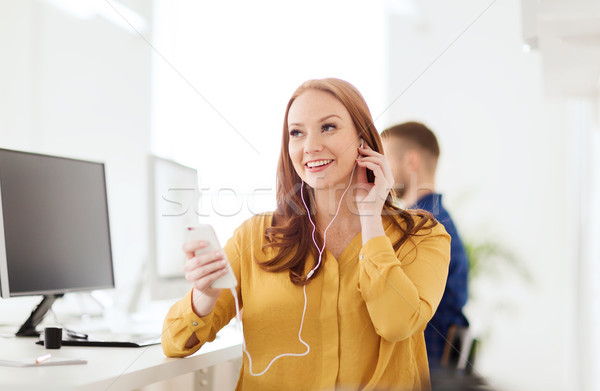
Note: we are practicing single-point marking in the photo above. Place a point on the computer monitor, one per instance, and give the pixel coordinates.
(54, 229)
(173, 201)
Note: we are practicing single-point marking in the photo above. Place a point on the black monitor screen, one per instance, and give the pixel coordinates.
(55, 223)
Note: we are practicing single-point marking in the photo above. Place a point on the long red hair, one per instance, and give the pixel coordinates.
(290, 231)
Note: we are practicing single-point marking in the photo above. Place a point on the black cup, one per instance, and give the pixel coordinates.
(52, 337)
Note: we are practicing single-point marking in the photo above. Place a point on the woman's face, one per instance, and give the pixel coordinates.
(322, 140)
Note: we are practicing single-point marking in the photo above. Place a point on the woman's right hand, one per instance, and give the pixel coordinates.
(202, 271)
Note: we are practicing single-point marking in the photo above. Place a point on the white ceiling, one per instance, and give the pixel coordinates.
(567, 34)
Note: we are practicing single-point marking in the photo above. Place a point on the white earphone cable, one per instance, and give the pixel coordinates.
(308, 276)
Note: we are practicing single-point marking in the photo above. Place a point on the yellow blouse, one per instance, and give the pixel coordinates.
(364, 321)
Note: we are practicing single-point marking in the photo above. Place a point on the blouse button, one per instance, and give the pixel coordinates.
(360, 256)
(195, 323)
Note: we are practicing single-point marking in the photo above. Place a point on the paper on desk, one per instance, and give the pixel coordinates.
(50, 362)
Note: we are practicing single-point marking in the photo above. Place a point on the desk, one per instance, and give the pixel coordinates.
(110, 369)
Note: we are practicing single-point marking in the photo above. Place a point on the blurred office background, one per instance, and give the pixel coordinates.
(511, 88)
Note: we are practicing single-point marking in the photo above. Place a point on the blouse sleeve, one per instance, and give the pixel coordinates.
(181, 321)
(402, 290)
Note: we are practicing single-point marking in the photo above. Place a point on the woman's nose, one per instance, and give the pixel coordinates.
(313, 143)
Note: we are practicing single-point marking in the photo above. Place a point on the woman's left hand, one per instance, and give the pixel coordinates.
(370, 197)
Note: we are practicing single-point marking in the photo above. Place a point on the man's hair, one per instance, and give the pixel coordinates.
(415, 133)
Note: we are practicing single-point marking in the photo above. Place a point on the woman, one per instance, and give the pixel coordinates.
(338, 284)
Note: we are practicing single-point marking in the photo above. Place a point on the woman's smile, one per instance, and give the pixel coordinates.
(318, 165)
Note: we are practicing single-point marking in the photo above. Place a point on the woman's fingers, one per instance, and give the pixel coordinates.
(377, 191)
(204, 269)
(372, 159)
(368, 151)
(375, 157)
(190, 248)
(205, 282)
(202, 260)
(376, 168)
(193, 274)
(379, 166)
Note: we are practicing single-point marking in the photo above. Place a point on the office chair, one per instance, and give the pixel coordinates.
(457, 364)
(458, 341)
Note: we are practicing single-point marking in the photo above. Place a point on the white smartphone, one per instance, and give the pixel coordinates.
(206, 233)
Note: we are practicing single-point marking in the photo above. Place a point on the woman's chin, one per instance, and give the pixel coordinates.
(323, 183)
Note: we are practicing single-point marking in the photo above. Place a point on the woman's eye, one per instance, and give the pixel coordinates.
(328, 127)
(295, 133)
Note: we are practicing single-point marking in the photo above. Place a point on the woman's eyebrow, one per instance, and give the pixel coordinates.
(329, 116)
(321, 120)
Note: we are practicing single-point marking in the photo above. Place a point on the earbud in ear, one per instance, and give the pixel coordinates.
(362, 142)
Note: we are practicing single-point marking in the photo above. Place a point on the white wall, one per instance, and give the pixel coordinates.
(232, 67)
(503, 171)
(81, 88)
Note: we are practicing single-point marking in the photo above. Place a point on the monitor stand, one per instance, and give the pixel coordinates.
(28, 329)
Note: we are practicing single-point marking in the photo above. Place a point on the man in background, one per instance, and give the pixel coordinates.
(413, 151)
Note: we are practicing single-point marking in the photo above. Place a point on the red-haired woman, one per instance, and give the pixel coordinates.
(337, 284)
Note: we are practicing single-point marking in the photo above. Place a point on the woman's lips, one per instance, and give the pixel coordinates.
(318, 165)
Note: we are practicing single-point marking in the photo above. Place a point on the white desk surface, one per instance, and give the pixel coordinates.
(107, 368)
